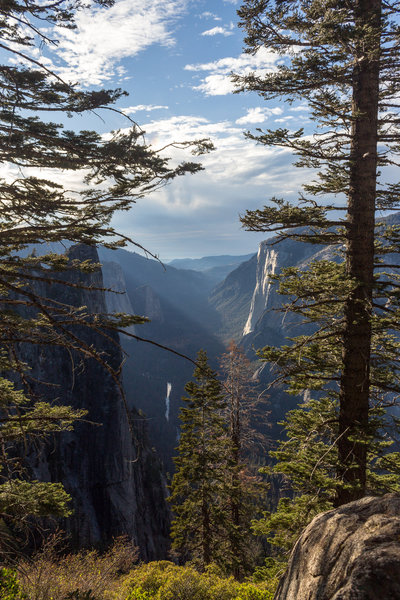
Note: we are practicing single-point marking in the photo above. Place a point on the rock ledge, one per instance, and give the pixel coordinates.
(350, 553)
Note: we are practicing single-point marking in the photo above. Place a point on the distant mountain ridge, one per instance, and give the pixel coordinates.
(216, 268)
(209, 262)
(192, 308)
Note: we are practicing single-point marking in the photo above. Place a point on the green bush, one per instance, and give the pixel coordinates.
(165, 581)
(9, 586)
(79, 595)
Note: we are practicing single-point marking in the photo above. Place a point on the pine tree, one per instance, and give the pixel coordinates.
(36, 208)
(244, 488)
(115, 171)
(198, 491)
(342, 59)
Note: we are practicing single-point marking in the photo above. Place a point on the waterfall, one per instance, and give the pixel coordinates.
(169, 388)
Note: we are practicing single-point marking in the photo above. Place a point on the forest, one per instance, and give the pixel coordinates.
(219, 429)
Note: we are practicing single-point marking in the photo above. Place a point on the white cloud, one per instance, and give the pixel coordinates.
(218, 82)
(104, 36)
(284, 119)
(195, 214)
(236, 160)
(209, 15)
(299, 108)
(258, 115)
(129, 110)
(217, 31)
(216, 85)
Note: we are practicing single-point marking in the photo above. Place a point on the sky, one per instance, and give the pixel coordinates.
(174, 57)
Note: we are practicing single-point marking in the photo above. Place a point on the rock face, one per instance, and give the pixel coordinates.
(108, 468)
(350, 553)
(117, 300)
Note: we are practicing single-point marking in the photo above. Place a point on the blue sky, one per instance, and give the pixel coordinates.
(174, 57)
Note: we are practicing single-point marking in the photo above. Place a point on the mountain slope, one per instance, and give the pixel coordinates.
(175, 301)
(185, 289)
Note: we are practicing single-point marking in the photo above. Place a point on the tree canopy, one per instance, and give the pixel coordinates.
(342, 59)
(37, 154)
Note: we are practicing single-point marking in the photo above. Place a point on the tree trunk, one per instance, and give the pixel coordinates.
(206, 533)
(355, 379)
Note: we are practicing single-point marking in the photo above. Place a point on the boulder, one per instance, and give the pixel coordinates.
(349, 553)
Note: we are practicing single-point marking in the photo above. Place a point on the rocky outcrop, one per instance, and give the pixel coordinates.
(105, 464)
(350, 553)
(266, 265)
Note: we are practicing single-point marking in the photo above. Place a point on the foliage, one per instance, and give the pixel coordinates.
(247, 412)
(110, 172)
(271, 572)
(289, 519)
(9, 586)
(92, 576)
(346, 364)
(198, 492)
(166, 581)
(22, 420)
(245, 490)
(86, 575)
(78, 595)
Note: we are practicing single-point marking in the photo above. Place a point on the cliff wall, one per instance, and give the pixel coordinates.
(107, 466)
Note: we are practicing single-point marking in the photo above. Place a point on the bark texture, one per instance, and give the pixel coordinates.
(355, 380)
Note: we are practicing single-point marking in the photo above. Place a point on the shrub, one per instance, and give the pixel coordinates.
(9, 586)
(165, 581)
(86, 575)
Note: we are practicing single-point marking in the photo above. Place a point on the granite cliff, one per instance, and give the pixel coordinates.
(106, 464)
(350, 553)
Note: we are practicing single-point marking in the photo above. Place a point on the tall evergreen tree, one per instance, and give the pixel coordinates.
(198, 487)
(244, 487)
(36, 208)
(214, 495)
(342, 59)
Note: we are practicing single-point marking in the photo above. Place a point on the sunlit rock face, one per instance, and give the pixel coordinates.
(266, 266)
(266, 324)
(350, 553)
(248, 303)
(106, 463)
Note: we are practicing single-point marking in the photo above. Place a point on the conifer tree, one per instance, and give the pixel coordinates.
(342, 59)
(198, 491)
(111, 171)
(244, 488)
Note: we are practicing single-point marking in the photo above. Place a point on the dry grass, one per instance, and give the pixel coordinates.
(52, 575)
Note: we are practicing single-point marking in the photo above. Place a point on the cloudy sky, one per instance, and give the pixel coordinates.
(174, 57)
